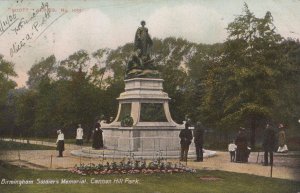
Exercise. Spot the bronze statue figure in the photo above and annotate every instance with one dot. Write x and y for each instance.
(141, 64)
(143, 41)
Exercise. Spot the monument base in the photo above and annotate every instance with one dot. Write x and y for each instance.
(141, 139)
(153, 128)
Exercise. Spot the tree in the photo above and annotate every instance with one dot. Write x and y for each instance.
(175, 85)
(6, 73)
(75, 65)
(25, 104)
(44, 70)
(247, 84)
(97, 71)
(288, 107)
(6, 84)
(203, 68)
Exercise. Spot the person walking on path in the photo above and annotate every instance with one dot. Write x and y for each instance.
(268, 144)
(60, 142)
(186, 137)
(232, 149)
(79, 135)
(199, 140)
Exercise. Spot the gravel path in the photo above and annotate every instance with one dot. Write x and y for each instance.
(286, 166)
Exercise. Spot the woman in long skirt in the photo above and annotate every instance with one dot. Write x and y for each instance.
(97, 137)
(60, 143)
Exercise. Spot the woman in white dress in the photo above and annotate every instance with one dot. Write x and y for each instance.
(282, 140)
(79, 135)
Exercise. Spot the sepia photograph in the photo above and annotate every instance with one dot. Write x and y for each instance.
(140, 96)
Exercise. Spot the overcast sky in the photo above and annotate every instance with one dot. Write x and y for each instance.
(109, 24)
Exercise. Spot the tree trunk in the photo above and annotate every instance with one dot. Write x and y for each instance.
(253, 132)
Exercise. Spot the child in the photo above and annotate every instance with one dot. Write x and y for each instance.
(231, 148)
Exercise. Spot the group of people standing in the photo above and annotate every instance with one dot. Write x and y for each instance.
(96, 144)
(269, 143)
(239, 150)
(186, 136)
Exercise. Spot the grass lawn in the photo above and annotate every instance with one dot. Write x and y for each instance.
(11, 145)
(163, 183)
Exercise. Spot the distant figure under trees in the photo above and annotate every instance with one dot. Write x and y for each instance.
(242, 146)
(79, 135)
(282, 147)
(268, 144)
(186, 137)
(97, 137)
(60, 142)
(199, 140)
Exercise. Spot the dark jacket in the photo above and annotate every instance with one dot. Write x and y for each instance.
(198, 135)
(269, 139)
(186, 137)
(97, 138)
(241, 141)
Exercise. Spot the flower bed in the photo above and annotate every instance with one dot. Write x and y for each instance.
(131, 167)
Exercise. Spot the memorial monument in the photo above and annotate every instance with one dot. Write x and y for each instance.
(143, 124)
(143, 121)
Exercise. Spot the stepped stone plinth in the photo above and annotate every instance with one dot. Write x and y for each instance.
(153, 128)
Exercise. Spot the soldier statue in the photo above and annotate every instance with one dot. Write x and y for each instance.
(140, 64)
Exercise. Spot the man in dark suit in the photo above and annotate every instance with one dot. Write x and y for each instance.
(198, 140)
(268, 144)
(186, 137)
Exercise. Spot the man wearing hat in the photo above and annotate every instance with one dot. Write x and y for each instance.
(60, 143)
(186, 137)
(268, 144)
(198, 140)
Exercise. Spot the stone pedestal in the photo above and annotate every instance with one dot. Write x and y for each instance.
(153, 128)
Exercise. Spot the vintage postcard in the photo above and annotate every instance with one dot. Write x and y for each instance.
(150, 96)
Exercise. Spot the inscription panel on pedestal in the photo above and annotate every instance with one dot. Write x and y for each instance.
(152, 112)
